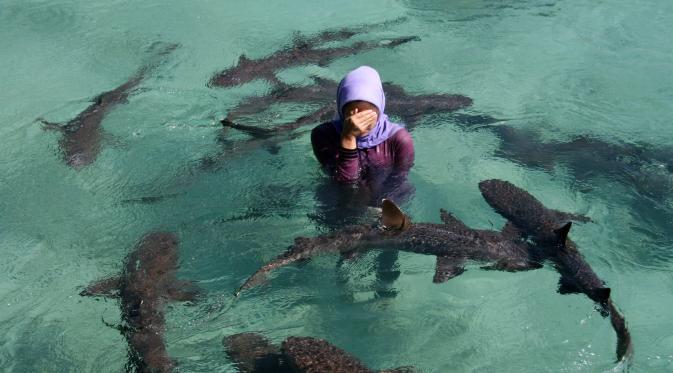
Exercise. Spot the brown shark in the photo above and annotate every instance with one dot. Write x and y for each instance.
(409, 107)
(453, 243)
(253, 353)
(247, 70)
(147, 282)
(82, 137)
(548, 229)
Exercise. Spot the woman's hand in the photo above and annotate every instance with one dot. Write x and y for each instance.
(359, 123)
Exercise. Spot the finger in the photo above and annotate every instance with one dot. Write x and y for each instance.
(364, 114)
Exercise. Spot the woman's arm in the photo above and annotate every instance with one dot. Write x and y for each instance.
(340, 163)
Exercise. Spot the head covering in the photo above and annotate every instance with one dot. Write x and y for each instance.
(364, 84)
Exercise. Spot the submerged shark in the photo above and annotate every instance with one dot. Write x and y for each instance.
(147, 282)
(247, 70)
(253, 353)
(83, 136)
(548, 229)
(453, 243)
(409, 107)
(398, 102)
(649, 169)
(533, 235)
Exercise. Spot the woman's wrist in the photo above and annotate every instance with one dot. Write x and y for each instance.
(348, 142)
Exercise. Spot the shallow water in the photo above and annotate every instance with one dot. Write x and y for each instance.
(560, 69)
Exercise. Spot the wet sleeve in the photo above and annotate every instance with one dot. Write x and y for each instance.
(397, 186)
(341, 164)
(403, 150)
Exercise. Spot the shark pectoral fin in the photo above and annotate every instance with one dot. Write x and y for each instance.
(447, 268)
(565, 286)
(107, 287)
(392, 217)
(183, 291)
(511, 232)
(512, 265)
(51, 126)
(448, 219)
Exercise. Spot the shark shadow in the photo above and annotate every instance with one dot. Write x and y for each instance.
(147, 282)
(253, 353)
(548, 229)
(82, 137)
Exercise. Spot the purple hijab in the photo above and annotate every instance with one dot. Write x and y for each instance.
(364, 84)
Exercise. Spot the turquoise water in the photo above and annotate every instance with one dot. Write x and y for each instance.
(560, 69)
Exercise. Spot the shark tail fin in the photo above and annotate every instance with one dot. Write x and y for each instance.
(107, 287)
(392, 217)
(51, 126)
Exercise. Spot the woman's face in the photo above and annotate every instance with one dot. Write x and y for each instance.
(349, 108)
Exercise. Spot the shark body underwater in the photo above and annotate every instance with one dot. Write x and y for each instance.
(533, 235)
(252, 353)
(299, 53)
(82, 137)
(146, 283)
(409, 107)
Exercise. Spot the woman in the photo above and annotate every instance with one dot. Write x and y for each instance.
(363, 147)
(362, 143)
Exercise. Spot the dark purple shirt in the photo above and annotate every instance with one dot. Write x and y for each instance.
(395, 155)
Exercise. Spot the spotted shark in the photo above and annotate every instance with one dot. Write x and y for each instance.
(82, 137)
(253, 353)
(452, 242)
(548, 229)
(247, 70)
(147, 282)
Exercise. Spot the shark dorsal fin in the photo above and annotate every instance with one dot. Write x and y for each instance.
(393, 217)
(562, 232)
(243, 59)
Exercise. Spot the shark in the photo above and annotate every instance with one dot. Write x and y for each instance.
(247, 70)
(549, 229)
(646, 167)
(146, 283)
(452, 242)
(253, 353)
(532, 236)
(82, 137)
(409, 107)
